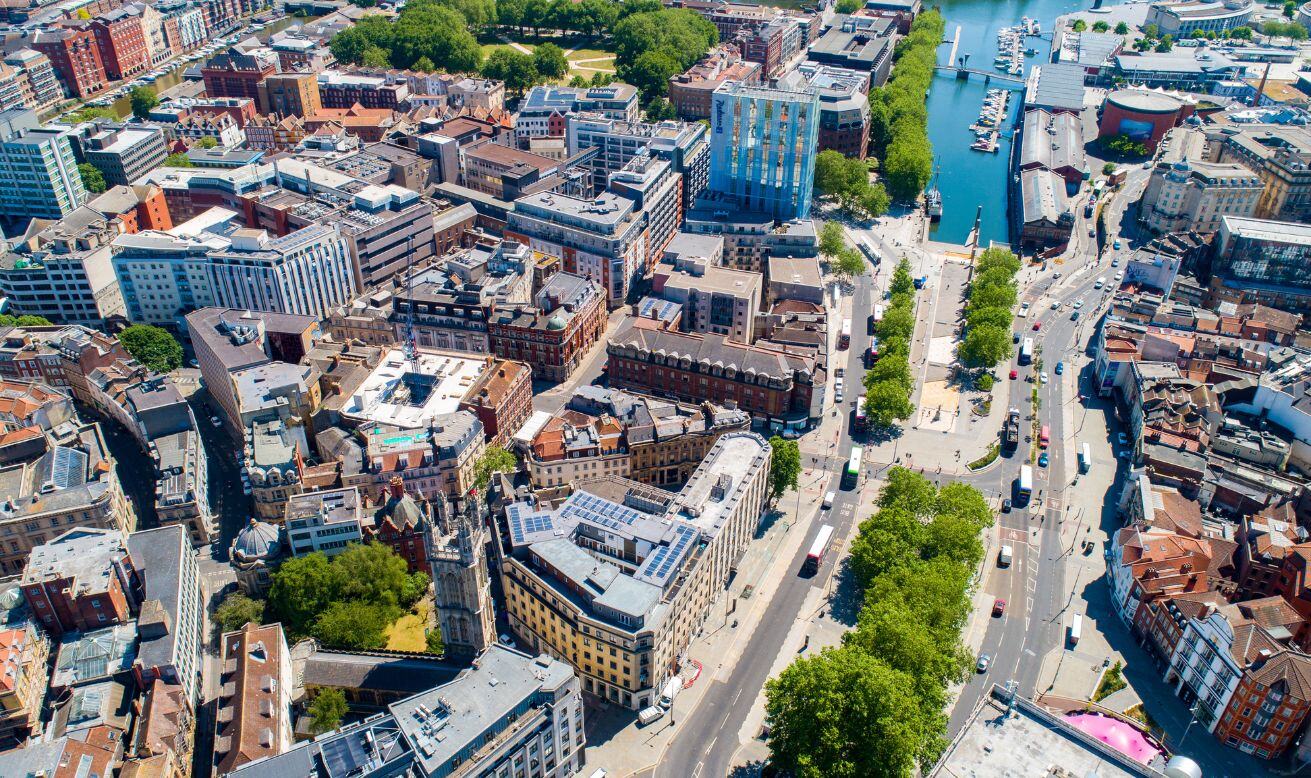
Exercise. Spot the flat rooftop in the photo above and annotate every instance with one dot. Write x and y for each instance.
(411, 396)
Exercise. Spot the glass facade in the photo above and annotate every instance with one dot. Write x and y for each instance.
(762, 147)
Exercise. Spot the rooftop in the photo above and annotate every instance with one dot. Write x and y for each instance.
(412, 395)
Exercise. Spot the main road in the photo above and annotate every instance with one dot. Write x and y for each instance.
(707, 740)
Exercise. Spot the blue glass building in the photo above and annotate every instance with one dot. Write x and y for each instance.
(762, 147)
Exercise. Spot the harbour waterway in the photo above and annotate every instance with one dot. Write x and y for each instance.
(968, 178)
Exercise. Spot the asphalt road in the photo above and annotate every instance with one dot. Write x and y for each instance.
(706, 742)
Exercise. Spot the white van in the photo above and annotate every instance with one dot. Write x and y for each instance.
(672, 687)
(1076, 628)
(1099, 283)
(648, 715)
(829, 497)
(1004, 556)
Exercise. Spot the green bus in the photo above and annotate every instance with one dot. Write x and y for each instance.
(852, 474)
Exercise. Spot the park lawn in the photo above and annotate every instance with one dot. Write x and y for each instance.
(488, 48)
(408, 632)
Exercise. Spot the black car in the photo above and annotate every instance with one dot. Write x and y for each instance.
(1006, 505)
(871, 324)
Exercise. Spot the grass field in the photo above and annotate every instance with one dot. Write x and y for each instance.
(582, 62)
(407, 632)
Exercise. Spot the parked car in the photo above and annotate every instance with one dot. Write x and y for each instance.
(1056, 305)
(1078, 304)
(1074, 316)
(1115, 262)
(998, 607)
(1116, 244)
(1015, 337)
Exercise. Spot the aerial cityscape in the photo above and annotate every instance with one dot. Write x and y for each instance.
(655, 389)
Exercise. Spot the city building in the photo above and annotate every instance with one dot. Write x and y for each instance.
(1142, 115)
(762, 148)
(1281, 156)
(794, 279)
(782, 386)
(73, 53)
(182, 484)
(325, 521)
(1054, 141)
(36, 79)
(38, 170)
(504, 172)
(1192, 69)
(290, 94)
(456, 727)
(254, 704)
(123, 153)
(843, 107)
(122, 42)
(751, 239)
(440, 458)
(858, 43)
(164, 741)
(715, 299)
(1046, 217)
(554, 333)
(254, 551)
(690, 92)
(1265, 261)
(1181, 18)
(234, 73)
(611, 432)
(657, 192)
(95, 750)
(1194, 196)
(619, 576)
(306, 273)
(619, 142)
(171, 625)
(502, 399)
(542, 110)
(603, 239)
(82, 579)
(338, 89)
(63, 271)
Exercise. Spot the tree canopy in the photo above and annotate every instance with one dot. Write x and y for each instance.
(154, 347)
(651, 46)
(345, 601)
(518, 71)
(898, 112)
(143, 100)
(92, 179)
(236, 611)
(846, 179)
(875, 705)
(550, 61)
(494, 460)
(179, 159)
(993, 293)
(888, 384)
(327, 710)
(433, 30)
(784, 466)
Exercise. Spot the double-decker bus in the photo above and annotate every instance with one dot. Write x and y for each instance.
(860, 420)
(1026, 351)
(1024, 485)
(852, 474)
(815, 556)
(844, 338)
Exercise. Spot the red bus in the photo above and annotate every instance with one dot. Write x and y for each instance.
(815, 556)
(1045, 437)
(844, 337)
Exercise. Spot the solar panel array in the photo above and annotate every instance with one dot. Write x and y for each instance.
(524, 521)
(598, 511)
(666, 559)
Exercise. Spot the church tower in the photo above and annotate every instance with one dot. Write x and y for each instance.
(457, 560)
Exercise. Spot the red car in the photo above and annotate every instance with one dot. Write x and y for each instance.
(1014, 374)
(999, 607)
(1037, 325)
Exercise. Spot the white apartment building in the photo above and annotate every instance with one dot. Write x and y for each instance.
(1196, 195)
(324, 521)
(165, 275)
(307, 272)
(1203, 669)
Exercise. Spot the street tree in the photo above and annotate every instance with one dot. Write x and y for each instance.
(848, 264)
(985, 346)
(327, 710)
(784, 466)
(1122, 28)
(843, 714)
(494, 459)
(550, 61)
(832, 239)
(901, 282)
(518, 71)
(1079, 25)
(354, 625)
(143, 100)
(1100, 26)
(886, 403)
(154, 347)
(998, 257)
(236, 611)
(886, 539)
(909, 491)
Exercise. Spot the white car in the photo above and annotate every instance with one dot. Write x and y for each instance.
(1119, 276)
(1056, 305)
(1078, 304)
(1043, 376)
(1024, 311)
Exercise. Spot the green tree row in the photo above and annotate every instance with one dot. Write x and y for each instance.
(875, 705)
(653, 46)
(845, 262)
(899, 116)
(888, 383)
(989, 309)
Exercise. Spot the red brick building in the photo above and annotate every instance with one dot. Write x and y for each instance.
(82, 580)
(122, 43)
(401, 524)
(76, 59)
(234, 74)
(502, 399)
(555, 334)
(137, 208)
(1267, 710)
(780, 384)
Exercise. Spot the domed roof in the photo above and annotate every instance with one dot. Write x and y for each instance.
(257, 540)
(556, 322)
(11, 598)
(403, 511)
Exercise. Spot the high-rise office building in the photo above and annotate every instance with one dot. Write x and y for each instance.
(762, 147)
(38, 171)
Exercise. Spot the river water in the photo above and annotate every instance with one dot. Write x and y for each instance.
(123, 106)
(967, 178)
